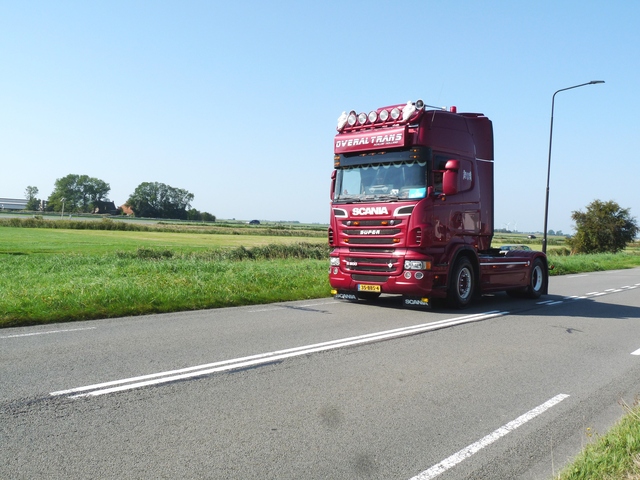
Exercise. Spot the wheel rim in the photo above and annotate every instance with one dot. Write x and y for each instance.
(536, 278)
(464, 284)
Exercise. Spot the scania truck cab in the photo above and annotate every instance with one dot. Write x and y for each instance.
(412, 210)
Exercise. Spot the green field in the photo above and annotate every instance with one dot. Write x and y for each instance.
(16, 241)
(55, 275)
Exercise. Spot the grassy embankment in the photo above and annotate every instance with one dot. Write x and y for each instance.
(613, 456)
(72, 271)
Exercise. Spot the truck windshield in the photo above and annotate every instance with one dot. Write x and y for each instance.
(405, 180)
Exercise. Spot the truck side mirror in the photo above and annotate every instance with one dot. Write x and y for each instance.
(333, 184)
(450, 177)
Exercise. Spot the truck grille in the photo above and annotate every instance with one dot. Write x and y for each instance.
(371, 250)
(369, 278)
(370, 223)
(371, 241)
(386, 231)
(371, 232)
(371, 264)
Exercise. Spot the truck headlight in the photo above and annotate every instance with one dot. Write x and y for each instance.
(335, 261)
(416, 265)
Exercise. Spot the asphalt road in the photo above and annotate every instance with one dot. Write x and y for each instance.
(507, 389)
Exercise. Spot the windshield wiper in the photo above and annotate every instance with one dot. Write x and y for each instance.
(383, 197)
(348, 199)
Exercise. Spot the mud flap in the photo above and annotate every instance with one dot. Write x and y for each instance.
(415, 302)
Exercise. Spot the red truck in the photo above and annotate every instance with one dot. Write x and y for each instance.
(412, 210)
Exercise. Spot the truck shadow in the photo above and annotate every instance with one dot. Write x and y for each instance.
(602, 307)
(545, 306)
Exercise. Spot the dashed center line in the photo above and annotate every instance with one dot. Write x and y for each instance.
(588, 295)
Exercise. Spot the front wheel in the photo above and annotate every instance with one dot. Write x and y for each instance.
(461, 284)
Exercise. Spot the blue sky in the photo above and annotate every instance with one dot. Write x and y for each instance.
(237, 102)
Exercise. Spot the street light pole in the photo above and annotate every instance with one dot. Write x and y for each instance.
(546, 204)
(63, 199)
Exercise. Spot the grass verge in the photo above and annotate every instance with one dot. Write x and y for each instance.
(565, 265)
(614, 456)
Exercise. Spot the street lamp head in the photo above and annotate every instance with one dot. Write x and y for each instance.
(593, 82)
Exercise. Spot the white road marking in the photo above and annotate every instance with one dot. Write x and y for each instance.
(637, 352)
(48, 332)
(586, 295)
(465, 453)
(254, 360)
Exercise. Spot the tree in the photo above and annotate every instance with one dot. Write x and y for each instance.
(30, 194)
(157, 200)
(197, 215)
(604, 227)
(78, 192)
(208, 217)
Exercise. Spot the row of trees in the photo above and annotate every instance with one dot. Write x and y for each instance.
(84, 194)
(604, 227)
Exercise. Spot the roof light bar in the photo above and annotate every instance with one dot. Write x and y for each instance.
(396, 114)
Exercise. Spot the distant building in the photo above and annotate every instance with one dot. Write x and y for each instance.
(13, 203)
(104, 207)
(126, 210)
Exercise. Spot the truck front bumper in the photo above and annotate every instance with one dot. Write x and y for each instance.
(416, 284)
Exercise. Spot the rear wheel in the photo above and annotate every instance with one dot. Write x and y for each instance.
(461, 284)
(537, 279)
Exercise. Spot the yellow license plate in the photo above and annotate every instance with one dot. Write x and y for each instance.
(368, 288)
